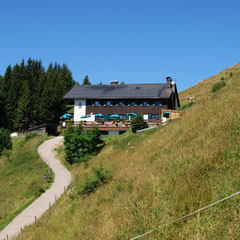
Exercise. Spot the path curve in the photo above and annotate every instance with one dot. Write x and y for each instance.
(41, 205)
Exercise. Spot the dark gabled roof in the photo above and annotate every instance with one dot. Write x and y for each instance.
(125, 91)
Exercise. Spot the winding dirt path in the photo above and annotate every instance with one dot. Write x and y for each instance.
(61, 181)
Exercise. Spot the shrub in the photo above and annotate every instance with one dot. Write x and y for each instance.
(95, 143)
(91, 183)
(138, 123)
(188, 105)
(218, 86)
(79, 146)
(29, 137)
(102, 174)
(5, 140)
(36, 188)
(88, 185)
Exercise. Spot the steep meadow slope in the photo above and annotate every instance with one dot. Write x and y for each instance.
(160, 175)
(204, 87)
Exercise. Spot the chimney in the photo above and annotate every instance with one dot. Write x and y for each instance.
(168, 82)
(114, 82)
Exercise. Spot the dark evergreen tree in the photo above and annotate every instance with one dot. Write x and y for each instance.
(5, 140)
(23, 117)
(40, 79)
(2, 104)
(138, 123)
(58, 82)
(29, 95)
(5, 92)
(86, 81)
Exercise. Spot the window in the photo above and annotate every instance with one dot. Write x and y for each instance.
(121, 103)
(145, 103)
(155, 116)
(97, 103)
(109, 103)
(133, 103)
(158, 103)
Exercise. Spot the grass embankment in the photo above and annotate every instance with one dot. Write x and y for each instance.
(21, 181)
(203, 89)
(158, 176)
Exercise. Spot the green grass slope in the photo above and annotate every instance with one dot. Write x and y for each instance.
(158, 176)
(21, 178)
(204, 88)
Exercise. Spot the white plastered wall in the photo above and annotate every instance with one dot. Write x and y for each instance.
(145, 116)
(79, 109)
(91, 118)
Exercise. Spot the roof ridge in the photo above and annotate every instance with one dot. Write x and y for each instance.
(131, 84)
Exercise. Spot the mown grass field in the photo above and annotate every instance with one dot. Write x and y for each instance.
(21, 178)
(160, 175)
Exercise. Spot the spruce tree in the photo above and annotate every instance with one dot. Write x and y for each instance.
(2, 104)
(4, 90)
(31, 95)
(86, 81)
(7, 91)
(17, 78)
(23, 118)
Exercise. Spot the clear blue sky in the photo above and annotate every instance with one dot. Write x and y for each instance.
(134, 41)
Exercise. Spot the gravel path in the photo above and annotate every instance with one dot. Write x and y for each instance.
(41, 205)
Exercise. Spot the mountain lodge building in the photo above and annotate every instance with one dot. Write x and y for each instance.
(102, 102)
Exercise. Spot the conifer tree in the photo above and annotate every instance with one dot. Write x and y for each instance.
(5, 94)
(2, 104)
(86, 81)
(31, 95)
(17, 77)
(23, 119)
(4, 88)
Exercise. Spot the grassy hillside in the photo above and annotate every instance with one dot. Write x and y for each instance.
(21, 180)
(203, 88)
(158, 176)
